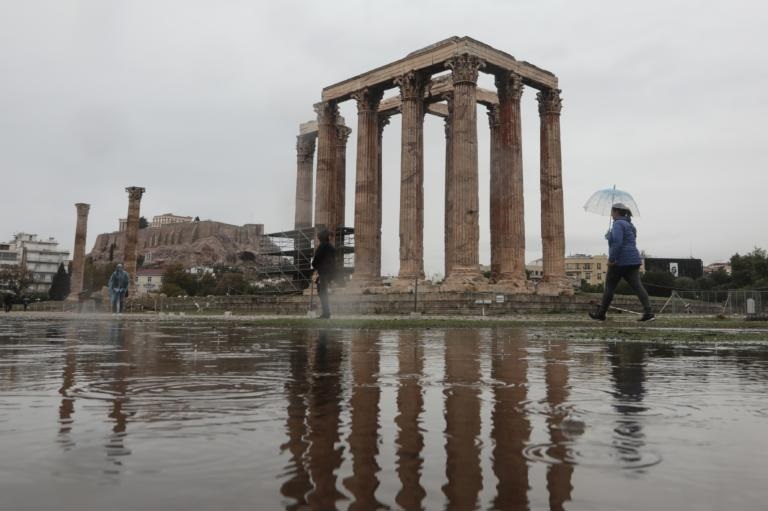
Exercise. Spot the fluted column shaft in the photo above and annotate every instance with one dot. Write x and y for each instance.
(465, 236)
(132, 229)
(383, 121)
(552, 216)
(495, 195)
(339, 206)
(448, 230)
(325, 180)
(507, 203)
(412, 176)
(305, 153)
(367, 183)
(78, 256)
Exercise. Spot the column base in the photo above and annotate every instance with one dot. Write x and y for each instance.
(514, 286)
(359, 284)
(555, 286)
(464, 279)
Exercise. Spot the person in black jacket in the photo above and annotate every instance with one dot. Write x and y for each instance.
(324, 263)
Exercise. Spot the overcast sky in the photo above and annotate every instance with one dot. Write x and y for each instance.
(200, 101)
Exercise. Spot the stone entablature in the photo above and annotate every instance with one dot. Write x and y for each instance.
(168, 219)
(453, 97)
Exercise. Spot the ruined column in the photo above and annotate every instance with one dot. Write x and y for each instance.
(412, 176)
(78, 256)
(383, 123)
(465, 235)
(367, 183)
(132, 230)
(494, 123)
(507, 204)
(305, 152)
(554, 281)
(448, 187)
(325, 184)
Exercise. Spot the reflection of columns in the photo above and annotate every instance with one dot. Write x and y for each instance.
(305, 152)
(324, 404)
(412, 176)
(556, 376)
(339, 203)
(67, 406)
(410, 406)
(507, 207)
(325, 184)
(462, 419)
(299, 483)
(367, 204)
(78, 256)
(132, 230)
(465, 235)
(364, 422)
(383, 122)
(448, 230)
(554, 280)
(511, 429)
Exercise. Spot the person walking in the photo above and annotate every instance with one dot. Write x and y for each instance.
(7, 302)
(118, 289)
(623, 263)
(324, 263)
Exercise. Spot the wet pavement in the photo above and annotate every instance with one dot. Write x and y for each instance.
(219, 415)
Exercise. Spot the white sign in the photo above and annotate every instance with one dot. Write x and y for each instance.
(673, 269)
(499, 298)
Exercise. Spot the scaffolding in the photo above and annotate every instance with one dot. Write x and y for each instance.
(287, 258)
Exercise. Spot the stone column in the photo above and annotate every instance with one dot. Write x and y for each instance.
(412, 177)
(465, 235)
(367, 183)
(448, 229)
(507, 203)
(338, 218)
(494, 123)
(325, 184)
(305, 152)
(554, 281)
(339, 206)
(132, 230)
(78, 256)
(383, 123)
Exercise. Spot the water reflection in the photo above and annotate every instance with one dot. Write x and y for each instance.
(462, 419)
(330, 419)
(410, 406)
(511, 429)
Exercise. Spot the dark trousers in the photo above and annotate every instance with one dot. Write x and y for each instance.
(323, 282)
(632, 275)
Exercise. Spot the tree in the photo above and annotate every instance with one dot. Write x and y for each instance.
(60, 285)
(747, 270)
(176, 281)
(143, 224)
(15, 278)
(232, 284)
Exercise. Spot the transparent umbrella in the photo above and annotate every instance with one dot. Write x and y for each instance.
(602, 201)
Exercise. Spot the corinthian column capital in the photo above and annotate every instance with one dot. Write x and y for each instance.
(509, 86)
(135, 192)
(342, 135)
(327, 112)
(465, 68)
(305, 147)
(550, 101)
(82, 209)
(367, 99)
(411, 85)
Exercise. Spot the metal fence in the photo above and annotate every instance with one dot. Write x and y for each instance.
(743, 302)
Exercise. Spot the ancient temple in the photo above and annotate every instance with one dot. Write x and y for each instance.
(453, 97)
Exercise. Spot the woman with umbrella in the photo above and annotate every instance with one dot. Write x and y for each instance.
(623, 262)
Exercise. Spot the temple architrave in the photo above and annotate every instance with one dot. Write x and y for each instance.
(454, 98)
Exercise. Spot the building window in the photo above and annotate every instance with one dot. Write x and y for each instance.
(589, 276)
(149, 279)
(599, 266)
(599, 276)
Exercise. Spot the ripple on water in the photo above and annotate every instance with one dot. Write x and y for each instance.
(594, 455)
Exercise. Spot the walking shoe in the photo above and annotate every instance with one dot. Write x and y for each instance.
(648, 316)
(597, 316)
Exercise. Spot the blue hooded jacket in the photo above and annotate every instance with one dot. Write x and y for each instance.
(622, 249)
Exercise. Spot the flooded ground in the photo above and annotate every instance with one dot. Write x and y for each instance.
(217, 415)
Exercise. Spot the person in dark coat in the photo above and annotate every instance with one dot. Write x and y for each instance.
(623, 263)
(7, 302)
(118, 289)
(324, 263)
